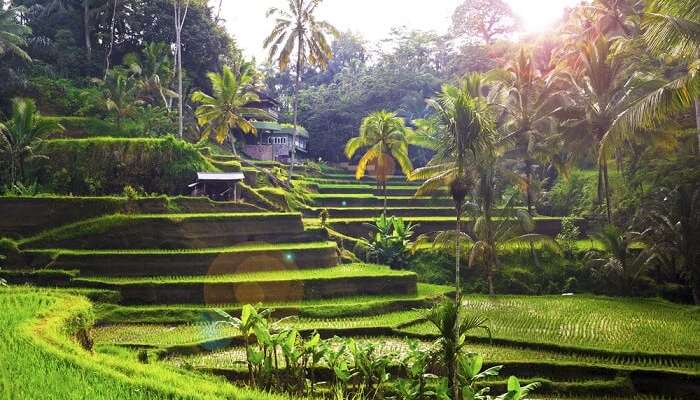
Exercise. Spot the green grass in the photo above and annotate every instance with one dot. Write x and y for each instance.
(338, 272)
(176, 335)
(103, 224)
(40, 360)
(587, 322)
(248, 247)
(331, 308)
(229, 358)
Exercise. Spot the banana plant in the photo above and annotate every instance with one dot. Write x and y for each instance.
(371, 368)
(517, 392)
(469, 372)
(250, 318)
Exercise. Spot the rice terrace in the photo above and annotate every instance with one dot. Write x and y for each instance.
(350, 200)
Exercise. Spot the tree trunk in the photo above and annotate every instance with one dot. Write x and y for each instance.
(528, 183)
(233, 145)
(111, 39)
(489, 278)
(13, 170)
(179, 23)
(297, 81)
(86, 27)
(458, 253)
(606, 189)
(458, 296)
(696, 293)
(697, 120)
(218, 12)
(384, 191)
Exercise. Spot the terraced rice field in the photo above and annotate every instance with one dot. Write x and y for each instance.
(39, 360)
(341, 271)
(230, 358)
(170, 335)
(632, 325)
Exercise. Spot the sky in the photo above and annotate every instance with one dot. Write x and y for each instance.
(373, 19)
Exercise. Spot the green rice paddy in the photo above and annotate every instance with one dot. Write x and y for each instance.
(587, 322)
(341, 271)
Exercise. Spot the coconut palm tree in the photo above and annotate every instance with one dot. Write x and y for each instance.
(384, 134)
(20, 136)
(298, 31)
(490, 237)
(224, 109)
(465, 135)
(120, 90)
(155, 69)
(600, 91)
(529, 101)
(670, 28)
(12, 32)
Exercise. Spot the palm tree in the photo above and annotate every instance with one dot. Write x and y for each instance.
(21, 135)
(384, 134)
(156, 72)
(671, 27)
(120, 91)
(297, 30)
(616, 263)
(12, 33)
(601, 92)
(529, 102)
(465, 135)
(453, 327)
(224, 109)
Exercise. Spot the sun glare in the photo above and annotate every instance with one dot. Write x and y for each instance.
(539, 15)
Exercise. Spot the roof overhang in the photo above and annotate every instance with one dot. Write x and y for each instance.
(220, 176)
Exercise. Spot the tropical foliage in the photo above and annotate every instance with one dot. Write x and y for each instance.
(21, 135)
(297, 30)
(385, 136)
(224, 110)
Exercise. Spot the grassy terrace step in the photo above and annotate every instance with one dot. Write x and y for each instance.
(270, 286)
(370, 200)
(197, 262)
(357, 227)
(350, 180)
(29, 216)
(523, 362)
(40, 358)
(173, 231)
(342, 307)
(625, 325)
(392, 190)
(195, 334)
(344, 213)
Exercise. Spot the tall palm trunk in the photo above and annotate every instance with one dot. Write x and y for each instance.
(86, 28)
(111, 39)
(297, 82)
(606, 189)
(179, 23)
(384, 192)
(458, 253)
(697, 120)
(458, 297)
(528, 184)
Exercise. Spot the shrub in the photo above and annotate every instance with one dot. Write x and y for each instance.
(390, 242)
(573, 196)
(64, 97)
(101, 166)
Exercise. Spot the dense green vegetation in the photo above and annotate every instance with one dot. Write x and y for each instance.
(448, 211)
(41, 325)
